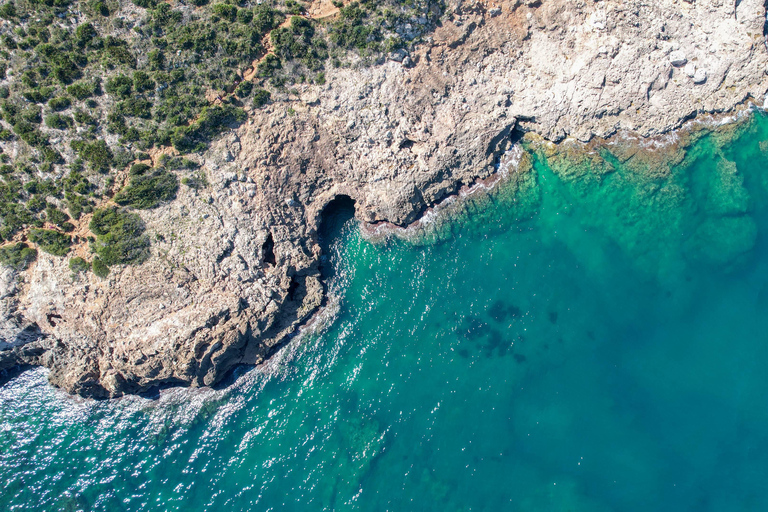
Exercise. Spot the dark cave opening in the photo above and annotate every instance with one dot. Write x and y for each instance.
(268, 250)
(333, 218)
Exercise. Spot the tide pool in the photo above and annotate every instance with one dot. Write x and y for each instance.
(590, 336)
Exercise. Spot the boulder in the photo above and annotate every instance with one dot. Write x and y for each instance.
(677, 58)
(700, 76)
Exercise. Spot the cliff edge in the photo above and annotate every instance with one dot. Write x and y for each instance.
(234, 264)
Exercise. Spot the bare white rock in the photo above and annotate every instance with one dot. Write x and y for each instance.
(677, 58)
(700, 76)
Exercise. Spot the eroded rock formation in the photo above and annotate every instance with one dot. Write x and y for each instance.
(234, 266)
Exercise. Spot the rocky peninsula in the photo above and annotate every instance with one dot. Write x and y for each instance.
(233, 267)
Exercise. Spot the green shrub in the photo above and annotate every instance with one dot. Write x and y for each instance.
(58, 121)
(58, 217)
(59, 103)
(260, 97)
(84, 118)
(244, 16)
(8, 11)
(156, 60)
(82, 90)
(84, 34)
(118, 51)
(268, 66)
(119, 86)
(96, 153)
(148, 190)
(228, 12)
(78, 264)
(120, 237)
(66, 71)
(51, 241)
(32, 114)
(177, 163)
(14, 216)
(244, 89)
(100, 7)
(139, 169)
(294, 7)
(18, 255)
(265, 18)
(212, 121)
(29, 135)
(142, 82)
(37, 203)
(77, 205)
(99, 268)
(135, 107)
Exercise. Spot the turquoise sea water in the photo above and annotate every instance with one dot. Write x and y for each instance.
(591, 337)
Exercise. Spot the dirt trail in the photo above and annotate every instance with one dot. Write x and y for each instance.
(322, 9)
(317, 10)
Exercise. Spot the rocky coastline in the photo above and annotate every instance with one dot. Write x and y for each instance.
(234, 267)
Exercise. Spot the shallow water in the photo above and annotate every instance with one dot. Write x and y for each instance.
(589, 338)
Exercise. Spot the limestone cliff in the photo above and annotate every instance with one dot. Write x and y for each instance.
(234, 265)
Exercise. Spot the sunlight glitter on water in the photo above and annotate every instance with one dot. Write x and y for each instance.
(590, 336)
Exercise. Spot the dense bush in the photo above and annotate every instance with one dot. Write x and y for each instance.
(18, 255)
(77, 205)
(82, 90)
(59, 218)
(78, 264)
(58, 121)
(100, 268)
(96, 153)
(260, 97)
(120, 237)
(139, 169)
(228, 12)
(120, 86)
(147, 190)
(244, 89)
(212, 121)
(142, 82)
(51, 241)
(60, 103)
(135, 107)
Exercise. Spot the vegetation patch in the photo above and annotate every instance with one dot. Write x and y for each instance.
(78, 264)
(88, 86)
(148, 188)
(99, 268)
(120, 237)
(17, 256)
(51, 241)
(212, 121)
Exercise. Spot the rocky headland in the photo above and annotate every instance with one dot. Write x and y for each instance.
(234, 265)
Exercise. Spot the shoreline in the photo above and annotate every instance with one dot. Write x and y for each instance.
(517, 155)
(234, 265)
(514, 161)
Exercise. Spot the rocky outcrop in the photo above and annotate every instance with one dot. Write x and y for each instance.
(234, 265)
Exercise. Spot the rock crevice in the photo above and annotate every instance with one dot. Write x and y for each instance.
(236, 266)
